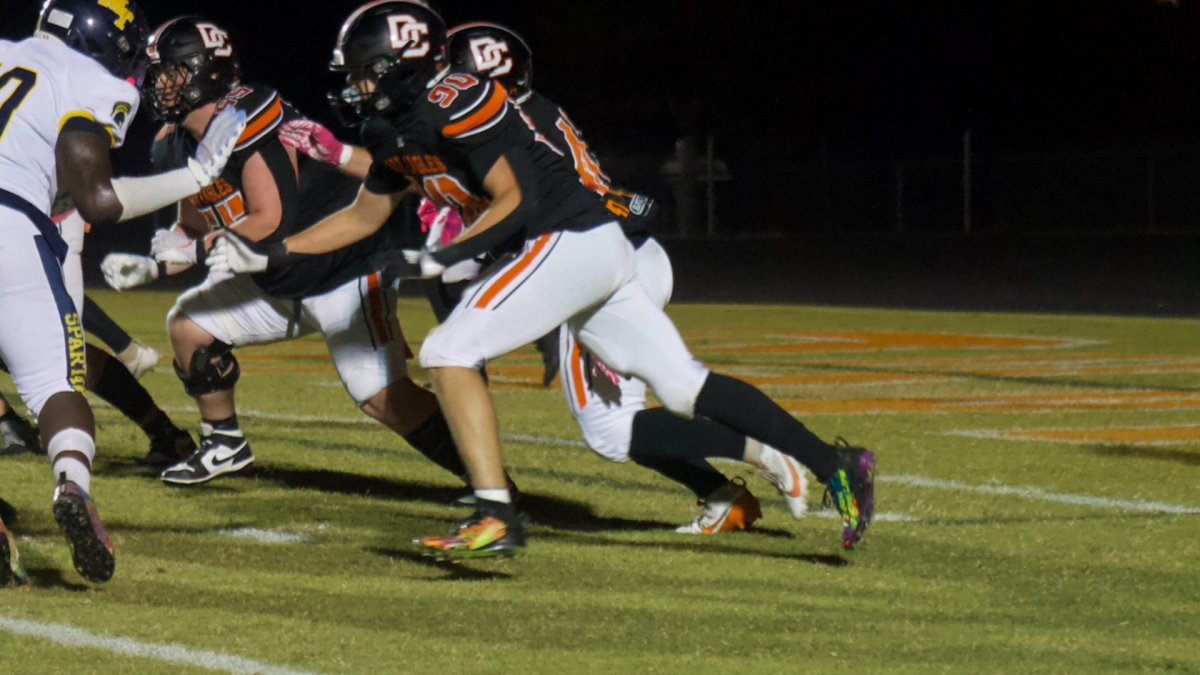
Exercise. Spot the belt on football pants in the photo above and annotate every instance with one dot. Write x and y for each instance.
(40, 220)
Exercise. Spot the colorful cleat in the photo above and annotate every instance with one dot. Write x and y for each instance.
(852, 491)
(788, 477)
(729, 508)
(480, 537)
(91, 550)
(11, 572)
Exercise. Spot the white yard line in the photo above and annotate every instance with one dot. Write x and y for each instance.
(75, 637)
(1037, 494)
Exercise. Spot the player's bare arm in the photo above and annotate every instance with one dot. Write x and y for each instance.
(354, 223)
(264, 207)
(85, 173)
(505, 191)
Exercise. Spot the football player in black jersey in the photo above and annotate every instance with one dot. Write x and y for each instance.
(563, 259)
(609, 408)
(266, 193)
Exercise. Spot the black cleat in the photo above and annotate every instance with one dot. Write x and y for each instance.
(170, 449)
(77, 517)
(493, 531)
(220, 452)
(11, 572)
(18, 435)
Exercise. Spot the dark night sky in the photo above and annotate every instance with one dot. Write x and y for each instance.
(898, 78)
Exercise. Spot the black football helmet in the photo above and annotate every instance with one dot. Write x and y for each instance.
(399, 46)
(491, 50)
(192, 63)
(113, 33)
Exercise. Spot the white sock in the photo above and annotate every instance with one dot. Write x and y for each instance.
(72, 440)
(501, 496)
(77, 472)
(753, 452)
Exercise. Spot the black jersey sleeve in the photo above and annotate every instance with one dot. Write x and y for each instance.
(483, 129)
(264, 113)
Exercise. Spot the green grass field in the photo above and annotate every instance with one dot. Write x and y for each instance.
(1038, 500)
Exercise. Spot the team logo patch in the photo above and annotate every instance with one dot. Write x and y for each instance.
(489, 54)
(214, 38)
(639, 204)
(121, 9)
(408, 34)
(120, 113)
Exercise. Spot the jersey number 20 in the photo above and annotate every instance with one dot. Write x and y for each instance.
(25, 79)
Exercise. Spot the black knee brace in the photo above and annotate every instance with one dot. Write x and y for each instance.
(214, 368)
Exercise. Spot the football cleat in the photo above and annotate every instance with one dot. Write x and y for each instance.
(11, 572)
(852, 491)
(481, 536)
(91, 549)
(788, 477)
(139, 359)
(220, 452)
(170, 449)
(18, 435)
(729, 508)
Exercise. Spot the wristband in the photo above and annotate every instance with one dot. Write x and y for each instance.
(277, 254)
(162, 270)
(347, 155)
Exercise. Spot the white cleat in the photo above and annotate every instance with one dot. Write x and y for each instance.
(788, 477)
(729, 508)
(139, 359)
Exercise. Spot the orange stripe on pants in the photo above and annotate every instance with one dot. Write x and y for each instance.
(577, 375)
(375, 298)
(513, 272)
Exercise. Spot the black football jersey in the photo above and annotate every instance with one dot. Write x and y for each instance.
(308, 192)
(453, 136)
(634, 211)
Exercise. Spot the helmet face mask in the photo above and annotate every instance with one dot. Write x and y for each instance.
(113, 36)
(192, 64)
(390, 52)
(493, 51)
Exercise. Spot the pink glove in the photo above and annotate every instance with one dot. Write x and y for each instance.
(429, 212)
(601, 369)
(315, 141)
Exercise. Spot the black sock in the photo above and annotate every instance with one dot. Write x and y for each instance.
(97, 323)
(679, 448)
(433, 439)
(117, 386)
(224, 426)
(743, 408)
(160, 426)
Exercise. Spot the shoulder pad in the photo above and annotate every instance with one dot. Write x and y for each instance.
(464, 105)
(264, 112)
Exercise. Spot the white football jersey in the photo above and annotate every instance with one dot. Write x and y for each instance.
(43, 85)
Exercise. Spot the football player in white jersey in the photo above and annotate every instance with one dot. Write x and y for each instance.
(67, 96)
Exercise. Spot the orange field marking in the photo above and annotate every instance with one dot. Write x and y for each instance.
(1169, 435)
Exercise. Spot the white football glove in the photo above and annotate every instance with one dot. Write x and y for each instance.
(126, 270)
(430, 268)
(217, 146)
(169, 246)
(232, 254)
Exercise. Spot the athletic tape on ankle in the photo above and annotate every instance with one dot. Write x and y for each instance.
(72, 439)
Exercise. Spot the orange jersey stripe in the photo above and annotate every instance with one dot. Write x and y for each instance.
(375, 296)
(263, 121)
(485, 114)
(577, 376)
(513, 272)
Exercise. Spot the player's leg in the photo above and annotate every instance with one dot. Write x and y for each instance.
(136, 357)
(635, 337)
(109, 379)
(11, 571)
(359, 324)
(513, 305)
(205, 324)
(42, 341)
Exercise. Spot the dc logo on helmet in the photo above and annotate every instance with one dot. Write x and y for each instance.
(489, 54)
(214, 38)
(405, 31)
